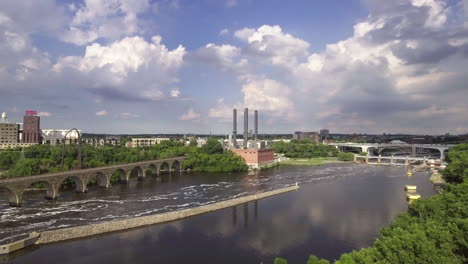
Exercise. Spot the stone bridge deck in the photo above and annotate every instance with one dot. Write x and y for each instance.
(15, 187)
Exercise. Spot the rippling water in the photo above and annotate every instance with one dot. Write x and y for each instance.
(341, 205)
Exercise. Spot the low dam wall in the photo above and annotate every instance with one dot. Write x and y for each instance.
(118, 225)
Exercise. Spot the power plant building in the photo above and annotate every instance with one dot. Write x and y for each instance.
(253, 152)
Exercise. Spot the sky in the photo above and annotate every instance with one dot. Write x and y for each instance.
(181, 66)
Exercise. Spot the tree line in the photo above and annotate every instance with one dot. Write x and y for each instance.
(433, 230)
(40, 159)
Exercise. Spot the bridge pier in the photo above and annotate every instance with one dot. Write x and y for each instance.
(392, 160)
(442, 154)
(367, 158)
(15, 196)
(407, 161)
(52, 190)
(103, 179)
(379, 159)
(81, 183)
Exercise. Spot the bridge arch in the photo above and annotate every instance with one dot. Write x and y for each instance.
(15, 198)
(51, 191)
(122, 175)
(138, 171)
(176, 165)
(152, 169)
(164, 167)
(102, 179)
(80, 183)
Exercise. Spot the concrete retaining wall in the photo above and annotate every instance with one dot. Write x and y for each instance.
(118, 225)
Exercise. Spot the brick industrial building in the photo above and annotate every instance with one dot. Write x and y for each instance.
(31, 127)
(256, 158)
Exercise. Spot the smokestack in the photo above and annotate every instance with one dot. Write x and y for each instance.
(246, 127)
(256, 124)
(234, 128)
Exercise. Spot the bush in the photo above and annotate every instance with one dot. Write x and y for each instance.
(345, 156)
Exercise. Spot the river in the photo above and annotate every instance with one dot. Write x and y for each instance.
(338, 208)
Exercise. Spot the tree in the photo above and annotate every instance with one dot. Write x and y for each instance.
(280, 261)
(457, 170)
(212, 146)
(314, 260)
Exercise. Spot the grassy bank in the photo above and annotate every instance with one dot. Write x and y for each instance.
(312, 161)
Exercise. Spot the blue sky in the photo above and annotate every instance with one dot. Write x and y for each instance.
(145, 66)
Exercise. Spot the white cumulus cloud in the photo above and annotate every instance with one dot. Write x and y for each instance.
(189, 115)
(101, 113)
(130, 68)
(110, 19)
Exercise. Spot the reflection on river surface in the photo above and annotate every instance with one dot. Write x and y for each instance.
(339, 207)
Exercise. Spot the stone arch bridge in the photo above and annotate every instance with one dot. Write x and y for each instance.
(52, 181)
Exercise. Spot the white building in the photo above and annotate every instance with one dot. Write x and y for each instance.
(56, 136)
(146, 142)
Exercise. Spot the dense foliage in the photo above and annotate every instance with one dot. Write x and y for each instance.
(457, 170)
(41, 159)
(304, 149)
(345, 156)
(433, 230)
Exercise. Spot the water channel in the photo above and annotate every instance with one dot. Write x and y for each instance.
(338, 208)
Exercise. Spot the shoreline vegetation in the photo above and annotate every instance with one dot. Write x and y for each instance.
(433, 230)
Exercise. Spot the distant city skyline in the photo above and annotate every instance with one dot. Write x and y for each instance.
(175, 66)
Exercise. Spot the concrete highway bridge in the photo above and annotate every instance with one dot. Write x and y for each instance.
(396, 160)
(52, 181)
(413, 149)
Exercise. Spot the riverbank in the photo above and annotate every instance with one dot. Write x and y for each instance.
(313, 161)
(119, 225)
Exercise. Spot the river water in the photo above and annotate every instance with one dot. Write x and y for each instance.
(338, 208)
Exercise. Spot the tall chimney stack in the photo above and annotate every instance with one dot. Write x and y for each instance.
(256, 124)
(234, 128)
(246, 127)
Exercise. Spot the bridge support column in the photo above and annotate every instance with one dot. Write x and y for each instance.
(413, 151)
(425, 160)
(52, 191)
(104, 180)
(82, 185)
(379, 159)
(367, 158)
(392, 160)
(407, 161)
(442, 154)
(354, 158)
(15, 197)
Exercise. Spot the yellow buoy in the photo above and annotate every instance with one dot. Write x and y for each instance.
(413, 196)
(410, 187)
(409, 173)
